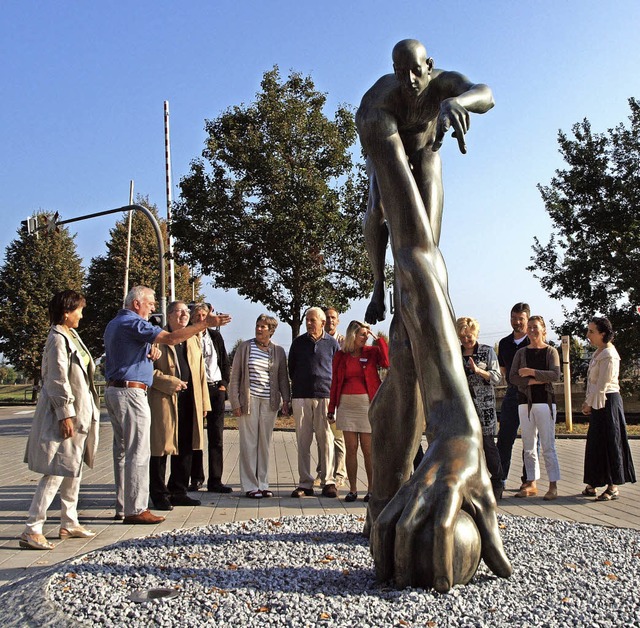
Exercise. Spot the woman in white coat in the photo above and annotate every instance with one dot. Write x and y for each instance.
(64, 433)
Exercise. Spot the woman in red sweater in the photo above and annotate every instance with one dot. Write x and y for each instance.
(354, 382)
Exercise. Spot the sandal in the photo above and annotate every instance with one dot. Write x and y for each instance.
(79, 532)
(35, 542)
(608, 495)
(267, 493)
(254, 494)
(589, 491)
(351, 496)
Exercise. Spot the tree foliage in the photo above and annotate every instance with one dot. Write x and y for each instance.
(105, 278)
(593, 253)
(276, 213)
(35, 268)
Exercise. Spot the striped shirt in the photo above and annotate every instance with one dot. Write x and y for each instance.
(259, 363)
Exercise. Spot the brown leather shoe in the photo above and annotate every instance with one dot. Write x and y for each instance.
(330, 490)
(528, 491)
(144, 518)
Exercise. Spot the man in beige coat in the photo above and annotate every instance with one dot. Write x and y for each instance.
(179, 400)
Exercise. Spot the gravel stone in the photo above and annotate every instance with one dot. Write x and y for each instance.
(317, 571)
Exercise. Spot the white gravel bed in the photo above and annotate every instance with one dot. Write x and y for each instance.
(317, 571)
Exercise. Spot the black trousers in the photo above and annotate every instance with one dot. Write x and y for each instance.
(181, 463)
(215, 432)
(157, 477)
(492, 456)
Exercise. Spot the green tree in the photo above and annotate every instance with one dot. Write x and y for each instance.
(35, 268)
(593, 253)
(105, 278)
(578, 352)
(277, 212)
(8, 375)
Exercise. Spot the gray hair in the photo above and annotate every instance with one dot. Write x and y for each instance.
(205, 307)
(318, 311)
(136, 294)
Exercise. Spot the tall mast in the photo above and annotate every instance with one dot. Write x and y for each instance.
(167, 156)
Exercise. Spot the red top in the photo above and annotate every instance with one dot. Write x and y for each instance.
(354, 376)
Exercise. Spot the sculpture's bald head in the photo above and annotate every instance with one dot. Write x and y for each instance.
(411, 66)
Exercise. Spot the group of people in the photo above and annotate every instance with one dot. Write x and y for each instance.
(161, 386)
(327, 383)
(530, 367)
(163, 383)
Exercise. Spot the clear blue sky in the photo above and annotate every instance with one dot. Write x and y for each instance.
(83, 85)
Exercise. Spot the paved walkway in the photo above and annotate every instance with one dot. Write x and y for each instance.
(17, 484)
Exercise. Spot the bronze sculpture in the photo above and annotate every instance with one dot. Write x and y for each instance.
(402, 121)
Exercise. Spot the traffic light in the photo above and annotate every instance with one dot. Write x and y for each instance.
(31, 225)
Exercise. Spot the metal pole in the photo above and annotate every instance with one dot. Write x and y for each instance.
(126, 264)
(156, 228)
(566, 372)
(167, 159)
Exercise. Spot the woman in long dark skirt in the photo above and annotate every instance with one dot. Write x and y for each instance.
(607, 460)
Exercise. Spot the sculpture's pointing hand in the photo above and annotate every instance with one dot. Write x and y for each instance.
(452, 114)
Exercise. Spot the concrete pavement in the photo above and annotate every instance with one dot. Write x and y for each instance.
(17, 485)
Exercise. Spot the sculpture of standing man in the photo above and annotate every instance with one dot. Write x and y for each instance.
(402, 121)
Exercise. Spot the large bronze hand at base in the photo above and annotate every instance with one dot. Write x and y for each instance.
(429, 529)
(440, 523)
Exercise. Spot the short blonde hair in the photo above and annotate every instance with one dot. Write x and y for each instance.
(350, 337)
(466, 322)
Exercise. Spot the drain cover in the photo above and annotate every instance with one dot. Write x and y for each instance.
(146, 595)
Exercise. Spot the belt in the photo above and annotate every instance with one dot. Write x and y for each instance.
(216, 384)
(121, 383)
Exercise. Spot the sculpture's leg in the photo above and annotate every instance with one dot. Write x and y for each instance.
(396, 423)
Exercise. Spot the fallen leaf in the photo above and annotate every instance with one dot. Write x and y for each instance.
(565, 600)
(345, 572)
(612, 576)
(501, 526)
(263, 609)
(324, 615)
(571, 566)
(232, 566)
(607, 563)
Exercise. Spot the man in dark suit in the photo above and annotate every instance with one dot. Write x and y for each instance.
(218, 370)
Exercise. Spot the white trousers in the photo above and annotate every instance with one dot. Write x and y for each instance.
(45, 492)
(256, 432)
(540, 423)
(311, 418)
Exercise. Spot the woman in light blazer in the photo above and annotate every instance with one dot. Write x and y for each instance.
(259, 384)
(64, 433)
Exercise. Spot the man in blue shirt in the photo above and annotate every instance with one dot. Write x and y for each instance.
(310, 368)
(129, 372)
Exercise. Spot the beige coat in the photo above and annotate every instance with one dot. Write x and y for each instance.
(163, 399)
(68, 391)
